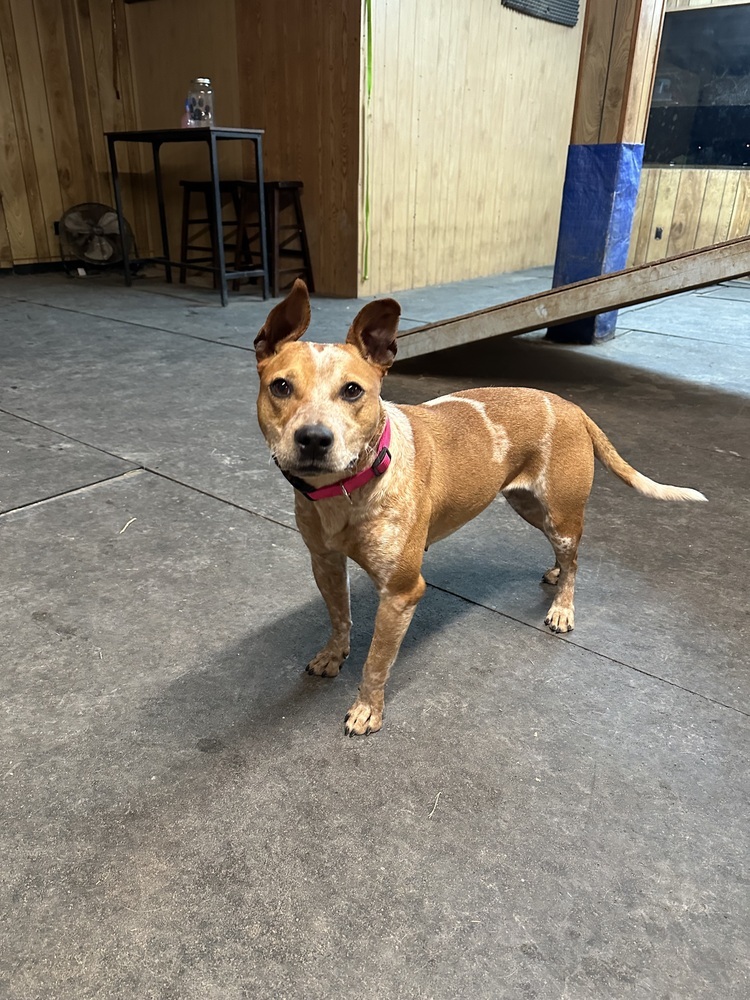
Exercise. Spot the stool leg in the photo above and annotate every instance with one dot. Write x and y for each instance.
(303, 240)
(184, 236)
(240, 240)
(273, 226)
(213, 229)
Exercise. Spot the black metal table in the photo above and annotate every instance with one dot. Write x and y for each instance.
(157, 138)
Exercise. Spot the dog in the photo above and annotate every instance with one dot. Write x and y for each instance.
(378, 483)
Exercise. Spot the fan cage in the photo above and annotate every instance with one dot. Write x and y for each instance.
(90, 237)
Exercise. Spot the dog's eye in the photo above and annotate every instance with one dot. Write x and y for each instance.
(352, 391)
(281, 388)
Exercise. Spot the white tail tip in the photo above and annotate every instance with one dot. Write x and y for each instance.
(660, 492)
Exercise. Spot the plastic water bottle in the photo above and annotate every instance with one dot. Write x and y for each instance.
(199, 106)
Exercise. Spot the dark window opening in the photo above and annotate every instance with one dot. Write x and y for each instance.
(700, 111)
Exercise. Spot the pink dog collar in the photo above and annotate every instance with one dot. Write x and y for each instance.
(346, 486)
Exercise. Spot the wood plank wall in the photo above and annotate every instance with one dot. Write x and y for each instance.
(201, 42)
(468, 137)
(56, 74)
(684, 208)
(302, 84)
(58, 94)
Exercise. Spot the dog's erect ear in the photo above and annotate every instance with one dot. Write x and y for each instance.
(374, 331)
(286, 322)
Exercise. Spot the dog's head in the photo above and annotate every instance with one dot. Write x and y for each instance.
(319, 404)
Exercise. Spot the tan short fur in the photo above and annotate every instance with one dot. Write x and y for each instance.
(451, 458)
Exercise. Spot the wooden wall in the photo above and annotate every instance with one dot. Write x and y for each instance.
(691, 207)
(58, 95)
(171, 43)
(293, 71)
(299, 71)
(468, 135)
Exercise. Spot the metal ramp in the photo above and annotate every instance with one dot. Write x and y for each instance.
(629, 287)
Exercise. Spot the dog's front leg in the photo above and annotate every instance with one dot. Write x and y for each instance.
(395, 612)
(332, 578)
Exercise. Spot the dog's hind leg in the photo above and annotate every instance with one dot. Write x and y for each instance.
(564, 536)
(332, 578)
(525, 503)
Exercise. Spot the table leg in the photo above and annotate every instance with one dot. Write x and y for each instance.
(216, 223)
(261, 211)
(118, 209)
(155, 147)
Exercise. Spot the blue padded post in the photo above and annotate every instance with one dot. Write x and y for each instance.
(599, 195)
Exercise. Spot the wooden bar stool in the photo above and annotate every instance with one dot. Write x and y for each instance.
(203, 253)
(289, 251)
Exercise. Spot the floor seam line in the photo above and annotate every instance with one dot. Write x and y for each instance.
(680, 336)
(141, 467)
(70, 437)
(593, 652)
(130, 322)
(72, 492)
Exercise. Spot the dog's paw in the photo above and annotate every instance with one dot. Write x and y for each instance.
(362, 719)
(551, 576)
(328, 661)
(560, 619)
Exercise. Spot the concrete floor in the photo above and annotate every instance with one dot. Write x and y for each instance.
(542, 816)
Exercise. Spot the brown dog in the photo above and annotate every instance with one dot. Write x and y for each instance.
(378, 483)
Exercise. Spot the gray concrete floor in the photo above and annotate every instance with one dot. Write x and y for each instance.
(543, 816)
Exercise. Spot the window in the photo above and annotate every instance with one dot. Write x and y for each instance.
(700, 111)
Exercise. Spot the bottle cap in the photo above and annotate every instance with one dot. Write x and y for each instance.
(203, 81)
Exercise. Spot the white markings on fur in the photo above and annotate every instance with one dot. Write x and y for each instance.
(497, 432)
(317, 408)
(661, 492)
(545, 444)
(563, 543)
(441, 399)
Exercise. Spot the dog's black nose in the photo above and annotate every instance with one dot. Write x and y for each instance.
(313, 438)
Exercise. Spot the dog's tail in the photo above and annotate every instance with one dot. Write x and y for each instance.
(607, 454)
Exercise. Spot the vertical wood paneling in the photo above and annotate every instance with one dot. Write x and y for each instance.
(40, 127)
(17, 107)
(58, 95)
(471, 123)
(75, 184)
(644, 209)
(726, 208)
(708, 214)
(303, 86)
(18, 222)
(6, 253)
(739, 224)
(694, 207)
(686, 216)
(661, 223)
(156, 86)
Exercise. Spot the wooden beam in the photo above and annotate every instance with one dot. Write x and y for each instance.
(629, 287)
(616, 73)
